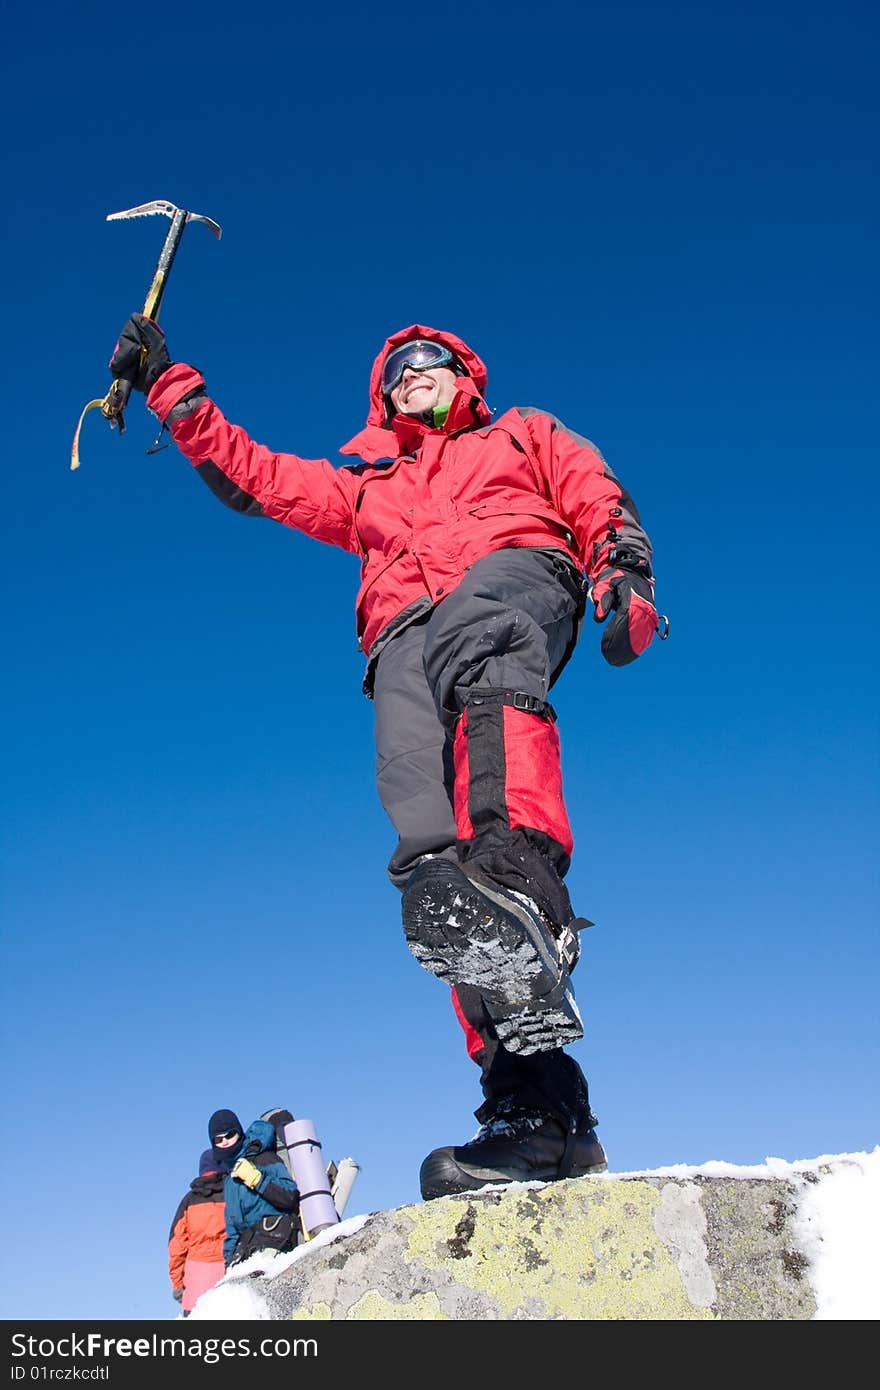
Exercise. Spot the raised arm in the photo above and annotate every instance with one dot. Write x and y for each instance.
(307, 494)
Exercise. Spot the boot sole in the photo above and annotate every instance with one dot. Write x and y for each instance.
(442, 1176)
(472, 936)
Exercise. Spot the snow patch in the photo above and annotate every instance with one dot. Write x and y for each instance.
(236, 1298)
(838, 1228)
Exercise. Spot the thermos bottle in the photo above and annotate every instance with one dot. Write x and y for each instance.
(343, 1182)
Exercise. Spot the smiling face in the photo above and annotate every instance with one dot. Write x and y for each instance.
(421, 390)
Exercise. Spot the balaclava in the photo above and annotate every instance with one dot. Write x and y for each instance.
(224, 1122)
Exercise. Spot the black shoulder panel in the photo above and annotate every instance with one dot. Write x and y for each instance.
(358, 469)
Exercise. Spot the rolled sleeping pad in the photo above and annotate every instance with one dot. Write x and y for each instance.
(316, 1206)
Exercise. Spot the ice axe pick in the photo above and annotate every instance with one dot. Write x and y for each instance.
(114, 403)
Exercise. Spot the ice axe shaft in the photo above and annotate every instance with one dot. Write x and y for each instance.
(114, 403)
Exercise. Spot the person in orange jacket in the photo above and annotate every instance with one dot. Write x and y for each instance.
(195, 1245)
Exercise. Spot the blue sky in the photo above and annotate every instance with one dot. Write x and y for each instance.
(658, 223)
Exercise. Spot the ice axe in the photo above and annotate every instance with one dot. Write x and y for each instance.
(114, 403)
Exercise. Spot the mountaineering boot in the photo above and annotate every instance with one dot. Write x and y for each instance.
(496, 940)
(515, 1145)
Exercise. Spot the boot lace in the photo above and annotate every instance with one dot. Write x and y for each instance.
(509, 1122)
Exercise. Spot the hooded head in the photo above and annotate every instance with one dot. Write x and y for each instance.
(224, 1122)
(385, 430)
(260, 1137)
(207, 1163)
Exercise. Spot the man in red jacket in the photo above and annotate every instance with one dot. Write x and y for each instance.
(480, 540)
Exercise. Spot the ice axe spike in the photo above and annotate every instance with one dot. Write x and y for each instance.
(114, 403)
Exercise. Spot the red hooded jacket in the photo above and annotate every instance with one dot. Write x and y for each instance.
(195, 1244)
(427, 502)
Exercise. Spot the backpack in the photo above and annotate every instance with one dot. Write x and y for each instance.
(278, 1118)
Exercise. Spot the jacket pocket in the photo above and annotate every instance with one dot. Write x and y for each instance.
(526, 507)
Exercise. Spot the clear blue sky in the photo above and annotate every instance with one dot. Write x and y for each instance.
(658, 223)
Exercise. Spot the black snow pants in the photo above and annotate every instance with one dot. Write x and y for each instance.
(468, 767)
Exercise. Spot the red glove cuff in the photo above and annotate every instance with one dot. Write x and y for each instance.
(171, 387)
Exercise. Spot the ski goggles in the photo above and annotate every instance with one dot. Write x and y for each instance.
(421, 355)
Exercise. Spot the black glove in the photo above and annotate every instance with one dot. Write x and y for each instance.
(630, 593)
(140, 356)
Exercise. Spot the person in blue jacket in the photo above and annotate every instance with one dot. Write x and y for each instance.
(262, 1199)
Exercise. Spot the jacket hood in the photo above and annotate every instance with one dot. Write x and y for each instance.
(383, 439)
(208, 1185)
(223, 1122)
(260, 1132)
